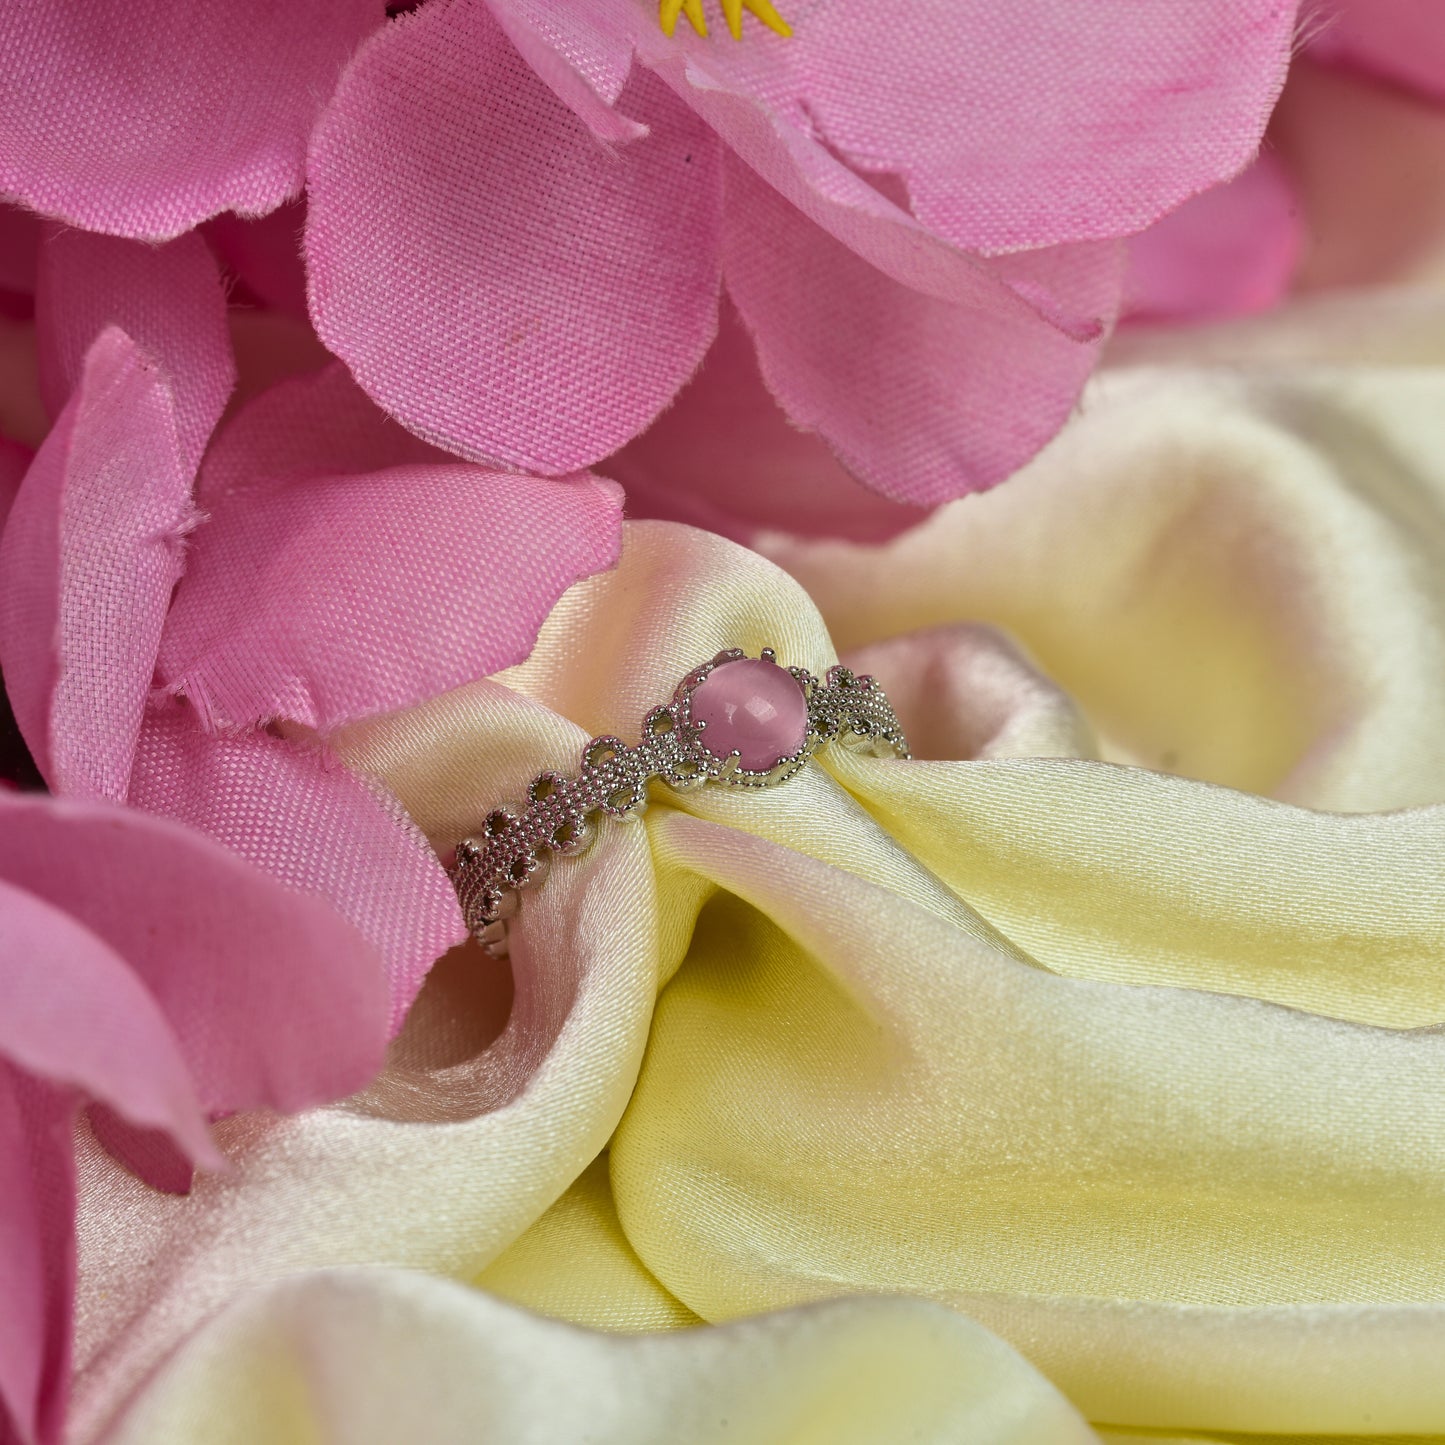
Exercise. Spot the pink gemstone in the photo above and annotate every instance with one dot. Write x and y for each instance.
(753, 708)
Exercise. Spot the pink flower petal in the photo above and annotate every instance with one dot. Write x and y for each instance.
(900, 411)
(1073, 288)
(584, 55)
(265, 253)
(596, 40)
(922, 397)
(1399, 40)
(873, 224)
(141, 119)
(102, 514)
(315, 826)
(37, 1257)
(147, 1153)
(307, 426)
(1228, 252)
(1020, 126)
(167, 299)
(276, 1001)
(76, 1014)
(497, 279)
(725, 457)
(325, 598)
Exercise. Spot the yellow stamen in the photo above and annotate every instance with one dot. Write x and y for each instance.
(733, 10)
(669, 10)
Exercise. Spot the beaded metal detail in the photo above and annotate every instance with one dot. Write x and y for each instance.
(705, 734)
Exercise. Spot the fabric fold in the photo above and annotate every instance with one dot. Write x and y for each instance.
(845, 1093)
(497, 1121)
(851, 1372)
(1232, 567)
(995, 1030)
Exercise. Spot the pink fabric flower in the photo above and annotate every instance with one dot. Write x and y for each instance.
(146, 969)
(521, 214)
(173, 602)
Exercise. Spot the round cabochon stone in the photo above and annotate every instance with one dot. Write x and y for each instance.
(754, 708)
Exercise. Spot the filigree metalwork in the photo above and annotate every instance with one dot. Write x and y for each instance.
(513, 849)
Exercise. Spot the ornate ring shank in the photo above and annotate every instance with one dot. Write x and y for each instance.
(680, 747)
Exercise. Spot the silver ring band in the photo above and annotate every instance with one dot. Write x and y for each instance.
(734, 719)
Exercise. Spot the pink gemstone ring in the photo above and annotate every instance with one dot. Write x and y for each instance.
(737, 719)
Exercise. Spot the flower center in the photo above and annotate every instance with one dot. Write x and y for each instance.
(669, 10)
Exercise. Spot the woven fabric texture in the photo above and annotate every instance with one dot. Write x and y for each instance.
(141, 119)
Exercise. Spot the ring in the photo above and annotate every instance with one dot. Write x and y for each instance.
(737, 719)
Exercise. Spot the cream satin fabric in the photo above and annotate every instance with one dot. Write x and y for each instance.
(450, 1366)
(1235, 573)
(1138, 1066)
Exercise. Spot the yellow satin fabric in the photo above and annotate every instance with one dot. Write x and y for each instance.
(1236, 575)
(576, 1264)
(379, 1357)
(1138, 1066)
